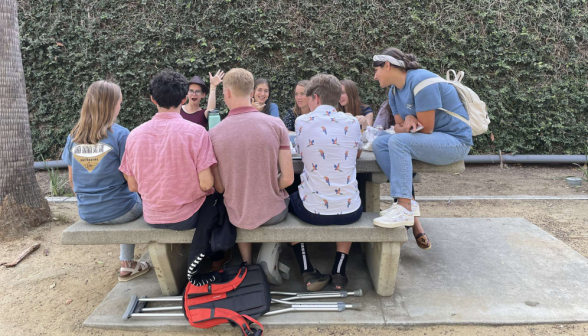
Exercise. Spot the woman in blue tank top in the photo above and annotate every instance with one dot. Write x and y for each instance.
(422, 132)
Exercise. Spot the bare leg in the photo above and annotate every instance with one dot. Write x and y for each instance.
(405, 202)
(417, 228)
(245, 249)
(343, 247)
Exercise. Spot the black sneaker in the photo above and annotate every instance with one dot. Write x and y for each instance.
(315, 280)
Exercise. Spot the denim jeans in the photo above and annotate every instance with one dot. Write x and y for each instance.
(395, 152)
(127, 251)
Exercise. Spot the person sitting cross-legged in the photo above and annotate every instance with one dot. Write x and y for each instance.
(329, 143)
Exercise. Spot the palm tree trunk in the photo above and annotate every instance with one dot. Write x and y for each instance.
(21, 203)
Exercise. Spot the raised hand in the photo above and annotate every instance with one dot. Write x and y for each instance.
(257, 105)
(216, 79)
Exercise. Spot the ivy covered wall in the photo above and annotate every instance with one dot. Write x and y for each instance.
(528, 59)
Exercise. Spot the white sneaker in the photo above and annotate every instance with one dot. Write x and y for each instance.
(416, 209)
(396, 216)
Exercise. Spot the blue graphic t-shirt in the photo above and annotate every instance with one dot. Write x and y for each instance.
(102, 191)
(433, 97)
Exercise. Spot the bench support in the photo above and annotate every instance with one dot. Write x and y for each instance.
(383, 260)
(171, 266)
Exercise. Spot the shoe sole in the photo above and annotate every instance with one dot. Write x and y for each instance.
(133, 276)
(394, 225)
(317, 286)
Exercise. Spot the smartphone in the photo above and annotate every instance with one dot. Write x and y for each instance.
(414, 130)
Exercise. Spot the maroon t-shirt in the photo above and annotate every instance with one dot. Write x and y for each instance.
(198, 117)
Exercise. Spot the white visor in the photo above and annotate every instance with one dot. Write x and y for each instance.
(386, 58)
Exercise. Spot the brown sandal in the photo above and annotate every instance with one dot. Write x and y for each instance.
(423, 241)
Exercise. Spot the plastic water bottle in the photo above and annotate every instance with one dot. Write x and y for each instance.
(213, 118)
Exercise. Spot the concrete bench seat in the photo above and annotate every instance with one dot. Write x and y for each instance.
(169, 249)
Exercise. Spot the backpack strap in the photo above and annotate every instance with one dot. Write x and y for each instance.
(455, 115)
(429, 81)
(203, 315)
(434, 80)
(193, 291)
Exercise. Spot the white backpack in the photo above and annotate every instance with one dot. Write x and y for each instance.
(475, 107)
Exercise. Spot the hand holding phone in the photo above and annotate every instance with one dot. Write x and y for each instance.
(414, 130)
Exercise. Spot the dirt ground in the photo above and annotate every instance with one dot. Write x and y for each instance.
(35, 294)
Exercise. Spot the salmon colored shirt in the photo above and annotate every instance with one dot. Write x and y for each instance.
(165, 155)
(247, 143)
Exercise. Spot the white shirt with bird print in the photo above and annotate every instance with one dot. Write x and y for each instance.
(328, 142)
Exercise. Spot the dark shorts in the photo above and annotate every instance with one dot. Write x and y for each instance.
(297, 208)
(192, 222)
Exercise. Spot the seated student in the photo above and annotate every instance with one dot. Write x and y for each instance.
(261, 98)
(250, 147)
(93, 152)
(196, 92)
(300, 108)
(168, 161)
(350, 103)
(442, 140)
(329, 143)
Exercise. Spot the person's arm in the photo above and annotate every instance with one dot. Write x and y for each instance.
(70, 177)
(427, 119)
(426, 102)
(359, 153)
(286, 177)
(133, 186)
(214, 82)
(206, 179)
(218, 183)
(399, 124)
(369, 118)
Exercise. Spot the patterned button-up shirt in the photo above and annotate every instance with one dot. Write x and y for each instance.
(328, 142)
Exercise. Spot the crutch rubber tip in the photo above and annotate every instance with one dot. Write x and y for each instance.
(358, 292)
(356, 306)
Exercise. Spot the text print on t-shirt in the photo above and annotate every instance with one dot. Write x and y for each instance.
(89, 156)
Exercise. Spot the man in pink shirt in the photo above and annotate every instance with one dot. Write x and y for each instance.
(168, 162)
(250, 146)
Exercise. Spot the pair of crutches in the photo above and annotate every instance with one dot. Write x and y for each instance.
(136, 307)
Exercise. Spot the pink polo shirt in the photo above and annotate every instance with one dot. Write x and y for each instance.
(165, 156)
(247, 144)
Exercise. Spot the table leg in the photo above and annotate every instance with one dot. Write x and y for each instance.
(383, 259)
(170, 262)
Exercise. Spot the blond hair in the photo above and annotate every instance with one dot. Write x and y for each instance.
(297, 109)
(240, 81)
(98, 113)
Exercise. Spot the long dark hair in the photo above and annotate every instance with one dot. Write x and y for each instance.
(268, 102)
(354, 104)
(410, 60)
